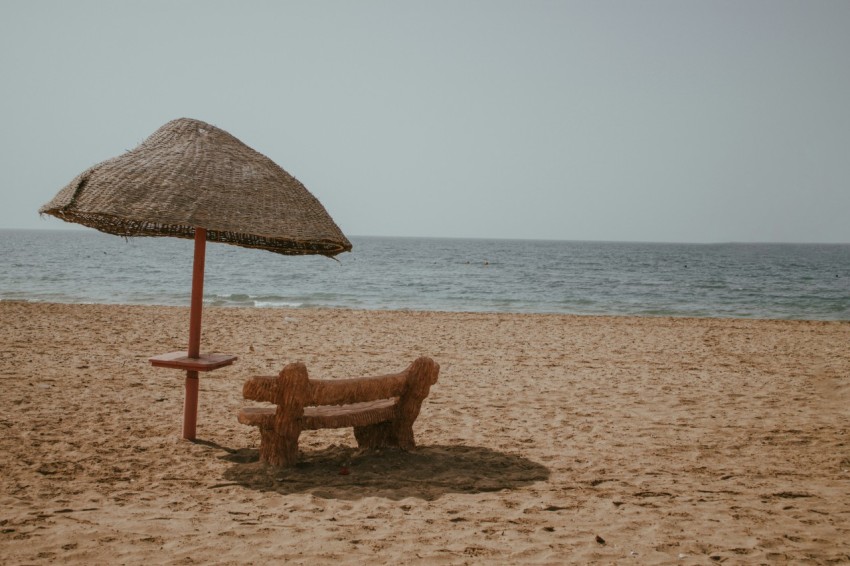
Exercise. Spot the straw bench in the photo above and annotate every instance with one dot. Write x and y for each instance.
(381, 409)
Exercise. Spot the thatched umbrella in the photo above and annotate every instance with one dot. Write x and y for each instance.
(192, 180)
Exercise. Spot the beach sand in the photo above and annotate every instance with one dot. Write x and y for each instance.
(548, 439)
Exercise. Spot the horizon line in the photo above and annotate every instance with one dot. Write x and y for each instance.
(81, 228)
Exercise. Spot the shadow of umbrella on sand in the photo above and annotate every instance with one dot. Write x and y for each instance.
(192, 180)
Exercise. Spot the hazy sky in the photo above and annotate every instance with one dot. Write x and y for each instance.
(683, 121)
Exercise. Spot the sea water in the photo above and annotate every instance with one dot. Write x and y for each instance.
(778, 281)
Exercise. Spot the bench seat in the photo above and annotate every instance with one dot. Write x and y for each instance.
(327, 416)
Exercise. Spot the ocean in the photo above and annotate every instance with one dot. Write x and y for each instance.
(756, 281)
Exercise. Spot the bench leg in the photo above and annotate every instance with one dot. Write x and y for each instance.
(266, 442)
(278, 450)
(403, 433)
(423, 374)
(396, 434)
(375, 436)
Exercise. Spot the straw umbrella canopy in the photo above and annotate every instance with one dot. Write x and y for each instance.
(193, 180)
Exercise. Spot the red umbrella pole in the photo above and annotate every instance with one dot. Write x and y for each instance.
(190, 405)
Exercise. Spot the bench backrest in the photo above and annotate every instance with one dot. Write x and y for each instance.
(293, 382)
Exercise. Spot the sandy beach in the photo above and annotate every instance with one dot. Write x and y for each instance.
(548, 439)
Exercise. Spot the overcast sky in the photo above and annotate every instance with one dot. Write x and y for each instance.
(670, 121)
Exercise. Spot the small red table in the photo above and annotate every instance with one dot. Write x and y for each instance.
(204, 362)
(181, 360)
